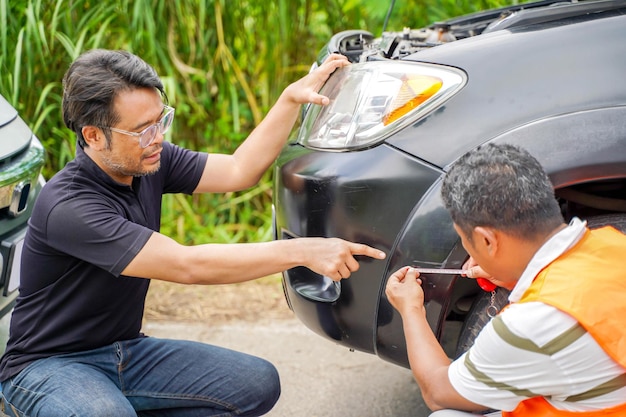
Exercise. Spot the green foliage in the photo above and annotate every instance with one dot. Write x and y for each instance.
(223, 63)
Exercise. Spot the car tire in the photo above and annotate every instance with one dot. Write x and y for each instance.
(478, 316)
(617, 220)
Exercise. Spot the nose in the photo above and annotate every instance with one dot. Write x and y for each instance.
(159, 137)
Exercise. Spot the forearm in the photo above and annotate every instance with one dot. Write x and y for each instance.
(427, 358)
(231, 263)
(269, 137)
(429, 363)
(256, 154)
(163, 258)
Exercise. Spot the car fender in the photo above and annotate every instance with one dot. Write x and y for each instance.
(576, 147)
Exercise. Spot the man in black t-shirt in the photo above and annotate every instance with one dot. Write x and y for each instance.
(93, 244)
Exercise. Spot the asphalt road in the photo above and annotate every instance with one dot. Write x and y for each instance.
(319, 378)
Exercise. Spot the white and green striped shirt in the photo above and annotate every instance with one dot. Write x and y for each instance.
(532, 349)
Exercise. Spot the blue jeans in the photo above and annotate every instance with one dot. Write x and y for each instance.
(146, 377)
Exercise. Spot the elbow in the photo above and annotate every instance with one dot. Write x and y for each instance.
(437, 396)
(249, 183)
(436, 400)
(183, 276)
(432, 402)
(188, 279)
(183, 271)
(244, 176)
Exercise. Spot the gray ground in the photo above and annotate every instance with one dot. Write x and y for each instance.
(319, 378)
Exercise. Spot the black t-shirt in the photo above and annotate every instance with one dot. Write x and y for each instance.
(84, 230)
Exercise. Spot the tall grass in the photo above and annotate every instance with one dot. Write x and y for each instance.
(223, 63)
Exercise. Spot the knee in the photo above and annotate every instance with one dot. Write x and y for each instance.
(265, 389)
(270, 386)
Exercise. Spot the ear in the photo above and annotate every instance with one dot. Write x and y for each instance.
(487, 239)
(94, 137)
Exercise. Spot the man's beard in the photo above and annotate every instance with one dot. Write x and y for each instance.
(123, 169)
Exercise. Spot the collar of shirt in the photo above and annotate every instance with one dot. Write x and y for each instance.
(548, 252)
(89, 165)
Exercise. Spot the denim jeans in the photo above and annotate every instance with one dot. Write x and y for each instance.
(146, 377)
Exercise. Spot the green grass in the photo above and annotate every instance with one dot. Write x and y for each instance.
(223, 63)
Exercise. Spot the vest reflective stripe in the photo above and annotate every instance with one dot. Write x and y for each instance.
(589, 283)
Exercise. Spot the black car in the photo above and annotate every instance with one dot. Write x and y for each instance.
(547, 76)
(21, 162)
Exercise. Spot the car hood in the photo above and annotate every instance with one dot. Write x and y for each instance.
(517, 77)
(16, 135)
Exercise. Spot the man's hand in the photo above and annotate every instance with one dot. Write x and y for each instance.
(306, 89)
(474, 270)
(489, 282)
(335, 258)
(427, 358)
(404, 290)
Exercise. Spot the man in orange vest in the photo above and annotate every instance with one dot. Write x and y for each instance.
(559, 348)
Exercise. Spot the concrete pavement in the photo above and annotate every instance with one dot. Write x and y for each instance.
(319, 378)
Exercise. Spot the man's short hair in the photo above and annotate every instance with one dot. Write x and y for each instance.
(92, 82)
(504, 187)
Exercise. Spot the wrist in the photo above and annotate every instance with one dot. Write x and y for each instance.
(288, 95)
(413, 311)
(297, 248)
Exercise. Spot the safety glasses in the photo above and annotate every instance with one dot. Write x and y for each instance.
(147, 136)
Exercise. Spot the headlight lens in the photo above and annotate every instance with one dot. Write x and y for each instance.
(370, 101)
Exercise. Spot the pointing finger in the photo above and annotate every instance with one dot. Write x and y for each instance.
(361, 249)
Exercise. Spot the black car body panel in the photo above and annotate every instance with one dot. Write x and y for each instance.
(330, 195)
(544, 73)
(543, 76)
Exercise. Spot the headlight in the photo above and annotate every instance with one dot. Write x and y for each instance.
(370, 101)
(17, 176)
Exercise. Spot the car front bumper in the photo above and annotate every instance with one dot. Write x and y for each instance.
(381, 197)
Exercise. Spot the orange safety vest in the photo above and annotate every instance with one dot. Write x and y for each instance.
(587, 282)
